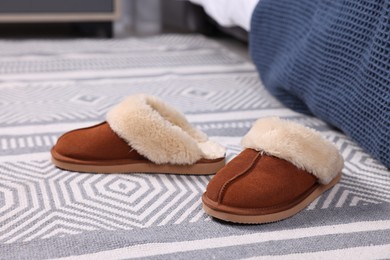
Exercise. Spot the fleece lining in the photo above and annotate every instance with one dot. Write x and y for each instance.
(160, 132)
(300, 145)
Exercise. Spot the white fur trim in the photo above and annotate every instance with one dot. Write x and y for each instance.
(300, 145)
(160, 132)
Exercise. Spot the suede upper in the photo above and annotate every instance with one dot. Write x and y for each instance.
(283, 163)
(257, 181)
(95, 143)
(99, 145)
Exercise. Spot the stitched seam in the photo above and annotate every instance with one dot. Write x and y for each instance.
(250, 167)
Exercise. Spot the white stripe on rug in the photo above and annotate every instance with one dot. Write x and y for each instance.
(26, 157)
(155, 249)
(132, 72)
(192, 118)
(364, 252)
(44, 128)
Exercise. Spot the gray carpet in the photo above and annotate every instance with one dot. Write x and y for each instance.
(49, 87)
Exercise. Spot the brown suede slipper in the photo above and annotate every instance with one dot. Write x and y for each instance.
(142, 134)
(284, 167)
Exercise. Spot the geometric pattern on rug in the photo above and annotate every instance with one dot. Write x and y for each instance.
(50, 87)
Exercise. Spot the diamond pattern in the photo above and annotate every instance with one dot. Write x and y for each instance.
(39, 201)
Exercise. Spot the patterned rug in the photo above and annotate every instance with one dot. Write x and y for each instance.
(49, 87)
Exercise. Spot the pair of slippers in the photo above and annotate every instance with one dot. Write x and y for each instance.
(283, 168)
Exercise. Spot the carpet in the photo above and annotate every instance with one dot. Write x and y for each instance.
(48, 87)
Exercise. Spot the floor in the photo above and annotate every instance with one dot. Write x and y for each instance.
(72, 30)
(235, 46)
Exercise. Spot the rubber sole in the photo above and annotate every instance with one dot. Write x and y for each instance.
(274, 217)
(195, 169)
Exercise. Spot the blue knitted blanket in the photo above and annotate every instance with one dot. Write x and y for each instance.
(330, 59)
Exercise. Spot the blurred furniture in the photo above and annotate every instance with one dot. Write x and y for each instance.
(91, 16)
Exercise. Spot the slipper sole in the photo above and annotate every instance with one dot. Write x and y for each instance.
(267, 218)
(143, 167)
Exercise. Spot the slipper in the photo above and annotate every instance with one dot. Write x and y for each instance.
(283, 168)
(141, 134)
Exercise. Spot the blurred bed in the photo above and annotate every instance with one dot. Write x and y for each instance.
(227, 16)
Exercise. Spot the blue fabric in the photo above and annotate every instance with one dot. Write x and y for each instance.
(330, 59)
